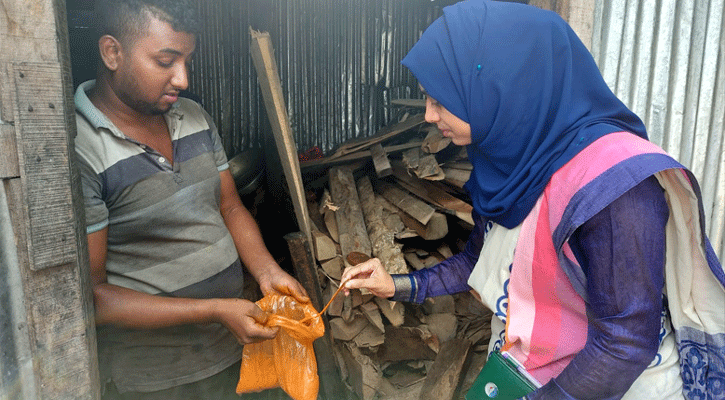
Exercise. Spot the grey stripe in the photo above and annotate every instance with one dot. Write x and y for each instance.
(404, 290)
(150, 184)
(175, 273)
(175, 223)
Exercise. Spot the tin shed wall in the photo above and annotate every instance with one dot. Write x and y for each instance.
(666, 60)
(339, 64)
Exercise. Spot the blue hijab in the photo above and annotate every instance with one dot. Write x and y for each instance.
(530, 90)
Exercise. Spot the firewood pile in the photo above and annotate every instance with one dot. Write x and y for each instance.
(397, 196)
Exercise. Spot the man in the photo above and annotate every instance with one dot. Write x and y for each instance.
(167, 232)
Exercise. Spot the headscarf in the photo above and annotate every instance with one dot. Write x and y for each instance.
(530, 90)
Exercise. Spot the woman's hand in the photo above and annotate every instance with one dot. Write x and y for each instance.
(275, 280)
(370, 275)
(245, 320)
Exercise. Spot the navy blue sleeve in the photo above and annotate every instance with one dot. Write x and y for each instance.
(447, 277)
(622, 252)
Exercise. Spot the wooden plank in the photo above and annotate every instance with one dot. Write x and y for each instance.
(28, 31)
(363, 374)
(266, 65)
(357, 155)
(17, 364)
(305, 266)
(58, 332)
(434, 142)
(416, 103)
(458, 175)
(382, 239)
(9, 167)
(400, 198)
(436, 228)
(325, 248)
(434, 194)
(384, 134)
(7, 92)
(411, 158)
(429, 169)
(55, 336)
(466, 165)
(405, 343)
(394, 311)
(42, 138)
(444, 375)
(305, 270)
(352, 233)
(380, 161)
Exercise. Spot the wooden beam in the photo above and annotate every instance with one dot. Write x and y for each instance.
(433, 194)
(415, 103)
(400, 198)
(434, 141)
(445, 373)
(7, 89)
(41, 129)
(266, 65)
(50, 309)
(436, 228)
(382, 239)
(323, 162)
(380, 161)
(351, 229)
(384, 134)
(9, 167)
(306, 272)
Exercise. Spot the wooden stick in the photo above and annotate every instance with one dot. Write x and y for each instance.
(353, 258)
(342, 284)
(307, 318)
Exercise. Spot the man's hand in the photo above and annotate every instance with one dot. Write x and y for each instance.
(370, 275)
(245, 320)
(274, 280)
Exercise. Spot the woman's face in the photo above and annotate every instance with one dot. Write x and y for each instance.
(450, 126)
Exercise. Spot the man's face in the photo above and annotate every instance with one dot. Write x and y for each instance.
(154, 68)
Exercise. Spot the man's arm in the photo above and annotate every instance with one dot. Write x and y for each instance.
(128, 308)
(251, 247)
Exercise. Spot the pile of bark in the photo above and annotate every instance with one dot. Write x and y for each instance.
(397, 196)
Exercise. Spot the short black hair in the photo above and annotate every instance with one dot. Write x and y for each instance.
(127, 19)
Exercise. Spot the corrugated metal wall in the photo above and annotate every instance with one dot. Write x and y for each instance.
(666, 60)
(339, 64)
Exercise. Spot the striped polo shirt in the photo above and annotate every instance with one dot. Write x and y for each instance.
(166, 236)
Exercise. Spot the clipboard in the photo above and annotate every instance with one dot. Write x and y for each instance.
(502, 378)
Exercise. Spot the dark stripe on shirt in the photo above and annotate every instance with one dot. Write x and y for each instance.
(228, 283)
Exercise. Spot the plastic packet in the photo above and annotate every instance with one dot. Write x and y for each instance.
(287, 361)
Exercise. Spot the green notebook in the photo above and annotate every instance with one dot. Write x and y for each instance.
(502, 378)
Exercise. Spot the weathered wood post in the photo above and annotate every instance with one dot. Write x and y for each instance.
(47, 333)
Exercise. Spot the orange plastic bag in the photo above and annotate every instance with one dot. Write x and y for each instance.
(287, 361)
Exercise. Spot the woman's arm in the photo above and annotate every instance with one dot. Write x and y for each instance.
(447, 277)
(622, 252)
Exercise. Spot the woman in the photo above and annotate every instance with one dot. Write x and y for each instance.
(588, 242)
